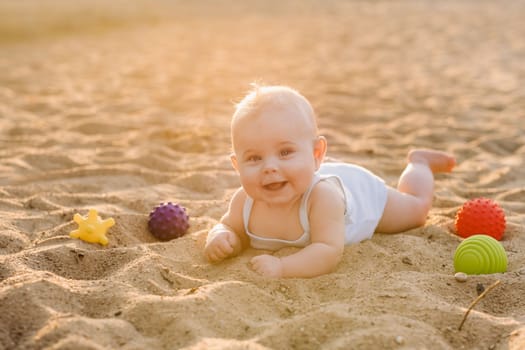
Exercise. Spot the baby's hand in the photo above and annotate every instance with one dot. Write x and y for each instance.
(267, 265)
(221, 246)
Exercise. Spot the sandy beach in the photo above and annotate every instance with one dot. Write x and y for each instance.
(119, 108)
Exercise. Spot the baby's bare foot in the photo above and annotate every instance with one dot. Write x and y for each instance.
(439, 162)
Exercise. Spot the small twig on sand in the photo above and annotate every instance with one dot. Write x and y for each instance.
(481, 296)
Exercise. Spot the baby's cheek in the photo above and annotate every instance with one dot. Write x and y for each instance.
(249, 179)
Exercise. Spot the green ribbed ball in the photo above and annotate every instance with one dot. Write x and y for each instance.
(480, 254)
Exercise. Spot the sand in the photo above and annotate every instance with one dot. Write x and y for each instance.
(120, 108)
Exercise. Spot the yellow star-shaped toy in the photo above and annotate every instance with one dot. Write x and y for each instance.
(92, 229)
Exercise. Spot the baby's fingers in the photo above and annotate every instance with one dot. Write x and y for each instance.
(219, 251)
(267, 265)
(257, 258)
(224, 247)
(215, 256)
(257, 263)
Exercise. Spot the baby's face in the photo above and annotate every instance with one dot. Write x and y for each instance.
(274, 154)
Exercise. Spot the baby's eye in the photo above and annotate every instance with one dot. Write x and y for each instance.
(253, 158)
(286, 152)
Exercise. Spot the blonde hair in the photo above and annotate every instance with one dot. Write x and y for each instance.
(264, 97)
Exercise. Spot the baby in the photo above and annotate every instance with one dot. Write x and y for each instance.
(290, 198)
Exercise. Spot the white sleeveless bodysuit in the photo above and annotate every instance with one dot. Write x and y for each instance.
(365, 198)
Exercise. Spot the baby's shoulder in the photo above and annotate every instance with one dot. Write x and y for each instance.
(329, 185)
(237, 201)
(327, 192)
(326, 201)
(234, 214)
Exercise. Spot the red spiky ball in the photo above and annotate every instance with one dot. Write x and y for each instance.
(168, 221)
(480, 216)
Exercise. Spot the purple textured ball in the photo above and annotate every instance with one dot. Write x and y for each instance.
(168, 221)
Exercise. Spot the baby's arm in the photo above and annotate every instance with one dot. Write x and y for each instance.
(221, 243)
(227, 238)
(327, 228)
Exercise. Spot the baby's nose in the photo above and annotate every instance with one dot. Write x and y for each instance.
(270, 166)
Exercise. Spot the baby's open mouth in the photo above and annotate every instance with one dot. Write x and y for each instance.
(274, 186)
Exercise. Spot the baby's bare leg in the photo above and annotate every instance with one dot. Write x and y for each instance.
(408, 205)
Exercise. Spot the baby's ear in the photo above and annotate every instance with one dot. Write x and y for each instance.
(233, 159)
(320, 146)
